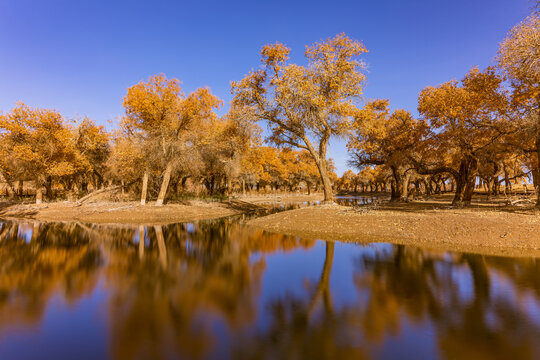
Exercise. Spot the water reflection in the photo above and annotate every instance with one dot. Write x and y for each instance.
(354, 200)
(220, 289)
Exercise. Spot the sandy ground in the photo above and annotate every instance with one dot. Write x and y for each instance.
(114, 212)
(120, 212)
(480, 229)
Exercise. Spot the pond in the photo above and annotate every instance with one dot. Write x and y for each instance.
(220, 289)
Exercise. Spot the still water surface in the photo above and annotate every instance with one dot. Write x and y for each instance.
(220, 289)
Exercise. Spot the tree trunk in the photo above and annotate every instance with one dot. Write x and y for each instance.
(427, 187)
(49, 187)
(461, 181)
(460, 187)
(164, 184)
(144, 188)
(243, 187)
(84, 186)
(327, 185)
(495, 186)
(20, 188)
(39, 192)
(469, 190)
(396, 185)
(405, 187)
(184, 179)
(489, 187)
(506, 180)
(229, 187)
(471, 180)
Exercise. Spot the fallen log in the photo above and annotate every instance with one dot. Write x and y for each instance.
(97, 192)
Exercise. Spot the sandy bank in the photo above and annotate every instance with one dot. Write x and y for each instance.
(119, 212)
(488, 231)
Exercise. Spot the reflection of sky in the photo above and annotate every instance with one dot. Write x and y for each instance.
(66, 331)
(136, 239)
(25, 232)
(505, 289)
(414, 341)
(463, 281)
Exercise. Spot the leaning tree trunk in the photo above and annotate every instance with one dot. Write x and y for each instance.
(320, 160)
(144, 187)
(327, 185)
(164, 184)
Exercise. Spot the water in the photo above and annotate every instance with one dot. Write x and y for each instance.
(220, 289)
(354, 200)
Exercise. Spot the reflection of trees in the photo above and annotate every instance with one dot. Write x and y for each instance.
(399, 286)
(38, 260)
(485, 324)
(163, 287)
(401, 280)
(163, 292)
(297, 330)
(166, 282)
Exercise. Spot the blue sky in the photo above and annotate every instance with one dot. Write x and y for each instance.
(80, 56)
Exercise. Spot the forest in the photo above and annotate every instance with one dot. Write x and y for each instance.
(479, 132)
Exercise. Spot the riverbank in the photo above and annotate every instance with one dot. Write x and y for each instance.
(497, 230)
(126, 212)
(119, 212)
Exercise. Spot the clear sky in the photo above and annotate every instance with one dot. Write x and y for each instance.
(80, 56)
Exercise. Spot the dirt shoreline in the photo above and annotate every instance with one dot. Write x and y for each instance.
(495, 231)
(488, 227)
(109, 212)
(118, 212)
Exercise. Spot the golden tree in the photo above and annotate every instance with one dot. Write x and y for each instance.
(383, 138)
(92, 143)
(306, 105)
(519, 58)
(126, 159)
(37, 144)
(163, 116)
(467, 120)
